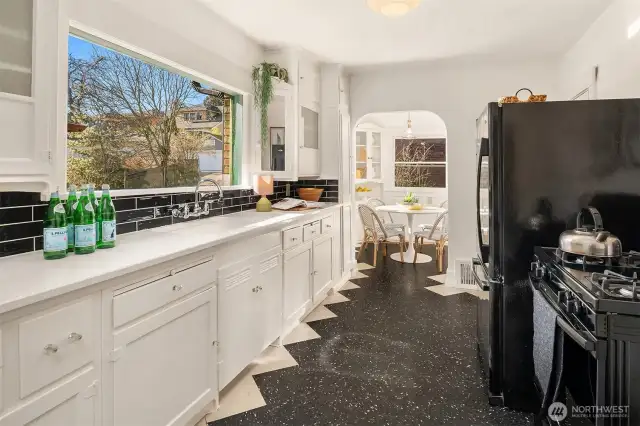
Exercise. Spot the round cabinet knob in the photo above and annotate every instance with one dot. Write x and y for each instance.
(74, 337)
(177, 287)
(50, 349)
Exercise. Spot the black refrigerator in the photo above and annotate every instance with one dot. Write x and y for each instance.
(538, 164)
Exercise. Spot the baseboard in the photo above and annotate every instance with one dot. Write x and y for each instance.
(342, 281)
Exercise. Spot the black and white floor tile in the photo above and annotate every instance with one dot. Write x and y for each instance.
(393, 354)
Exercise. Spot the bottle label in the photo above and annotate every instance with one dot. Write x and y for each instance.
(88, 207)
(75, 205)
(108, 231)
(59, 208)
(71, 233)
(85, 235)
(55, 239)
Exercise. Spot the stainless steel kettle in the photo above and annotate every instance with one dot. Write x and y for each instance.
(586, 241)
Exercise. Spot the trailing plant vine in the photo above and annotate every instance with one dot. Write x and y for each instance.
(263, 93)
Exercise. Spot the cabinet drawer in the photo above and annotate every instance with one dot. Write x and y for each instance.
(55, 344)
(327, 224)
(311, 230)
(291, 237)
(151, 296)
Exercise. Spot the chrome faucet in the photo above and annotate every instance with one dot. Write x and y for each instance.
(197, 211)
(183, 209)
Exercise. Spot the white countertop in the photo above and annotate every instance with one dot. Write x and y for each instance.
(29, 278)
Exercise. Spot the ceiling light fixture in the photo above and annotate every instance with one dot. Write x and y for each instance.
(408, 134)
(393, 8)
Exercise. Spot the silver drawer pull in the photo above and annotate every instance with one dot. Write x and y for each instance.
(294, 239)
(255, 289)
(74, 337)
(177, 287)
(259, 288)
(50, 349)
(328, 226)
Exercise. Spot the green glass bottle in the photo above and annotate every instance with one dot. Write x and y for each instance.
(106, 220)
(84, 222)
(72, 203)
(96, 207)
(55, 229)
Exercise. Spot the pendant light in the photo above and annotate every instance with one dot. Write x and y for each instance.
(393, 8)
(408, 134)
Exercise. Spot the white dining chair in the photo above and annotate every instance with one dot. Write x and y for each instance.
(437, 236)
(375, 233)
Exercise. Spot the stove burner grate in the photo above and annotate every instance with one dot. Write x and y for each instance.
(617, 285)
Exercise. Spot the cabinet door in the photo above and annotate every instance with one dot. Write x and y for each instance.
(346, 243)
(164, 366)
(374, 140)
(270, 297)
(74, 403)
(33, 37)
(237, 334)
(279, 152)
(322, 267)
(297, 281)
(362, 154)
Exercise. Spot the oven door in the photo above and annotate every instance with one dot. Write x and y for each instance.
(482, 198)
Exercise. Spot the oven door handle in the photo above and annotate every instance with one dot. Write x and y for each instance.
(577, 337)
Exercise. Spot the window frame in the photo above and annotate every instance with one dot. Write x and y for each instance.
(390, 181)
(92, 35)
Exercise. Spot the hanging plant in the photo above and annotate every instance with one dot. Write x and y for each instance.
(263, 93)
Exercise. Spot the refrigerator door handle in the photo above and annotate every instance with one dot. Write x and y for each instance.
(482, 152)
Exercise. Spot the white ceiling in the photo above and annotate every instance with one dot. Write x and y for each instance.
(347, 32)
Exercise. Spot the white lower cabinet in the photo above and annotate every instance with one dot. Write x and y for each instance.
(164, 367)
(250, 312)
(297, 282)
(323, 260)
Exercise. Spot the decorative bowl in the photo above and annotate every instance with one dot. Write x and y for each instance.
(310, 194)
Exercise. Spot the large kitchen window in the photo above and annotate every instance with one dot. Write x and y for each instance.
(135, 124)
(420, 163)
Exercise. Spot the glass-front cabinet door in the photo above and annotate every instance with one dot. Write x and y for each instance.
(278, 151)
(368, 154)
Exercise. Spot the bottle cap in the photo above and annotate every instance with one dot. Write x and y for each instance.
(90, 186)
(105, 187)
(72, 187)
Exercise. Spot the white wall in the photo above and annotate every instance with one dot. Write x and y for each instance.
(607, 45)
(185, 32)
(457, 91)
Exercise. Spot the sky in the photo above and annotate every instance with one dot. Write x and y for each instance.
(83, 49)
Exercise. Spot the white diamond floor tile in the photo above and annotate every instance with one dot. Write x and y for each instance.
(273, 358)
(444, 290)
(335, 298)
(301, 333)
(364, 266)
(349, 286)
(241, 395)
(356, 275)
(482, 295)
(319, 313)
(440, 278)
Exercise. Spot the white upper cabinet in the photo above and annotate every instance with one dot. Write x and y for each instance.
(32, 93)
(368, 153)
(293, 146)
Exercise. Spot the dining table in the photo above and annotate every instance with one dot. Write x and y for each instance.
(411, 214)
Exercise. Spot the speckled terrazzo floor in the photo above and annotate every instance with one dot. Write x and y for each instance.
(395, 354)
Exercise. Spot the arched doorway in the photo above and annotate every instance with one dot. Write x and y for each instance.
(387, 162)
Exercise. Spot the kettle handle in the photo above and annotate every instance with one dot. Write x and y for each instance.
(595, 214)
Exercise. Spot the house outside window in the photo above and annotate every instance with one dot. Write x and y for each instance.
(420, 163)
(147, 132)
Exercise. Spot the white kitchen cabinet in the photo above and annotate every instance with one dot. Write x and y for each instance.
(297, 282)
(49, 369)
(368, 153)
(33, 37)
(323, 264)
(165, 366)
(347, 242)
(250, 311)
(309, 161)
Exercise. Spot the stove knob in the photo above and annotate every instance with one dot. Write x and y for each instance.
(571, 306)
(540, 272)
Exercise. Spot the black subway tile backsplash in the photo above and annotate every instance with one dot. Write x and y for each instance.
(16, 215)
(154, 223)
(21, 213)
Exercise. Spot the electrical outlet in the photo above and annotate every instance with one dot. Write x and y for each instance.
(287, 190)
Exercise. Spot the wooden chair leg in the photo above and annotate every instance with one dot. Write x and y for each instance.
(417, 248)
(375, 253)
(384, 250)
(440, 253)
(363, 246)
(401, 249)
